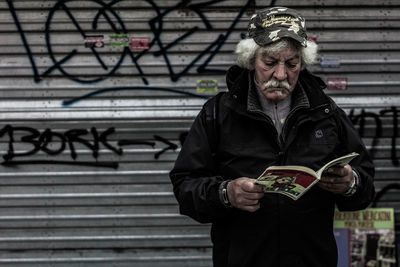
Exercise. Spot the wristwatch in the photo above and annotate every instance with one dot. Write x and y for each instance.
(353, 187)
(223, 194)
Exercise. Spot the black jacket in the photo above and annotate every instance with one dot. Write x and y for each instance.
(283, 232)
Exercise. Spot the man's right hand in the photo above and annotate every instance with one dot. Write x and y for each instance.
(244, 194)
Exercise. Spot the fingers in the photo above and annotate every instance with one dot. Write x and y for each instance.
(337, 179)
(251, 187)
(338, 170)
(244, 194)
(334, 180)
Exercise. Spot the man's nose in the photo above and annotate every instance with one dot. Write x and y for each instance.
(280, 72)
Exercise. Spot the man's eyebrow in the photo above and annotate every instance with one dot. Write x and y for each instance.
(297, 57)
(265, 54)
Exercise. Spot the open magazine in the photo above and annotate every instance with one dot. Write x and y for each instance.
(294, 181)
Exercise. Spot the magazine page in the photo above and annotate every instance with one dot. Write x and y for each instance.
(290, 182)
(365, 238)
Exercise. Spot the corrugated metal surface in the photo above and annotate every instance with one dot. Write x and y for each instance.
(89, 134)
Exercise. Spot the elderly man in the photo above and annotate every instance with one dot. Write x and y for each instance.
(275, 113)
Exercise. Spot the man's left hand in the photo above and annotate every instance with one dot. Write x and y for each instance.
(337, 179)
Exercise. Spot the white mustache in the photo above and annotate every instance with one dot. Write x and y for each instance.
(277, 84)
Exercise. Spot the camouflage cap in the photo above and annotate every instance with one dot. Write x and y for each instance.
(270, 25)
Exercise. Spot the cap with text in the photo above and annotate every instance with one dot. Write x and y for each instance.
(272, 24)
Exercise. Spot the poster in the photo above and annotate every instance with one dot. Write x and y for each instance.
(365, 238)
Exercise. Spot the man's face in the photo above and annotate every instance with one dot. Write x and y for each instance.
(277, 73)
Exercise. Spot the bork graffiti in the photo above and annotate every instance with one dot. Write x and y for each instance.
(94, 139)
(54, 143)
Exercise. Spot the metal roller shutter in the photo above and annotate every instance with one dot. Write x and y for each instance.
(90, 127)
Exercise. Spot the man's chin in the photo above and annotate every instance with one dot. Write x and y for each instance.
(276, 95)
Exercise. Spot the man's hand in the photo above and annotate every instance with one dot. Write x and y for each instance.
(244, 194)
(337, 179)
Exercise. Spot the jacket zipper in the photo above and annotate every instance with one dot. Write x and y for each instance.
(285, 125)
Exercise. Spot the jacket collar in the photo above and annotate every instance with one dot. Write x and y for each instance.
(237, 80)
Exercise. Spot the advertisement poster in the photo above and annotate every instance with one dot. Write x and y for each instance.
(365, 238)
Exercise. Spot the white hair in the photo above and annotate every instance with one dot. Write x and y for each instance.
(246, 51)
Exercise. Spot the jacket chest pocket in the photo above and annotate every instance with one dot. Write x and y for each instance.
(314, 144)
(321, 133)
